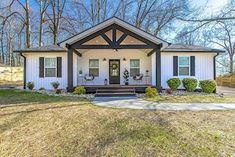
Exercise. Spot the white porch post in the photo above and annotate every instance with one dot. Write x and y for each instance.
(153, 58)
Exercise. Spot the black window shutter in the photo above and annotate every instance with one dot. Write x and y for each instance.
(41, 67)
(175, 65)
(59, 66)
(192, 65)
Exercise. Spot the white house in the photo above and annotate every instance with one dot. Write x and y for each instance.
(100, 55)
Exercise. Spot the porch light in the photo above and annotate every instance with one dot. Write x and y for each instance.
(104, 59)
(115, 50)
(124, 59)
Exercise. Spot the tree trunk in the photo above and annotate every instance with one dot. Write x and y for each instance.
(231, 65)
(28, 26)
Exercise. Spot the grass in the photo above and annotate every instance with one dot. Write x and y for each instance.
(193, 99)
(33, 124)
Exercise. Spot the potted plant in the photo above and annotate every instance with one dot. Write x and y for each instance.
(80, 72)
(55, 85)
(126, 76)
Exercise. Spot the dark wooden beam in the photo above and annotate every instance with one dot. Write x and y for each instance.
(151, 52)
(120, 40)
(134, 35)
(92, 36)
(77, 52)
(114, 35)
(70, 69)
(113, 47)
(104, 36)
(158, 70)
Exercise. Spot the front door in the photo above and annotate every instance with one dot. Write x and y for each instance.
(114, 71)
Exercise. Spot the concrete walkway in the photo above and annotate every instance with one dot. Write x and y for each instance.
(137, 103)
(226, 91)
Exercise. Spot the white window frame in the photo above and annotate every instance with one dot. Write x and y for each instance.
(134, 67)
(50, 67)
(189, 72)
(94, 67)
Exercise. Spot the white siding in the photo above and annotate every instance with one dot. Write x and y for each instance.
(83, 63)
(32, 69)
(203, 66)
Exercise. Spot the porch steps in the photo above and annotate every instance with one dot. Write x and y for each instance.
(115, 91)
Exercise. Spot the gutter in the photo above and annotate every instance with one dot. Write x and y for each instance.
(214, 62)
(24, 69)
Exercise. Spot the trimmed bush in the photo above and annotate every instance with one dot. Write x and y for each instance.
(174, 83)
(190, 84)
(79, 90)
(55, 85)
(151, 92)
(208, 86)
(30, 85)
(42, 88)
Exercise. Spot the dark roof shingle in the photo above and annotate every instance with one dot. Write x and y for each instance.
(188, 48)
(49, 48)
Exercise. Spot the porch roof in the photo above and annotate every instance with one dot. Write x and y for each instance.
(107, 23)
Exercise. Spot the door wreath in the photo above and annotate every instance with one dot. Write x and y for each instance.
(114, 66)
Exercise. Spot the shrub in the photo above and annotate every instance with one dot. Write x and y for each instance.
(42, 88)
(190, 84)
(208, 86)
(30, 85)
(58, 91)
(79, 90)
(174, 83)
(150, 92)
(55, 85)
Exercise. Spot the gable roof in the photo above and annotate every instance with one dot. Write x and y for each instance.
(48, 48)
(117, 21)
(188, 48)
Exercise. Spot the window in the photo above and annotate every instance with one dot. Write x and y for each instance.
(184, 66)
(50, 67)
(134, 67)
(94, 67)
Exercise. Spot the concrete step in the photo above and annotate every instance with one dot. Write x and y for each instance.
(115, 91)
(114, 94)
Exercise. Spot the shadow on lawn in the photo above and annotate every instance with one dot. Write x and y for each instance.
(9, 98)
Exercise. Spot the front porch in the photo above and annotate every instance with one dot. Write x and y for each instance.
(113, 88)
(105, 53)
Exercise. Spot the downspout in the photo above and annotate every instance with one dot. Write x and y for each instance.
(214, 62)
(24, 69)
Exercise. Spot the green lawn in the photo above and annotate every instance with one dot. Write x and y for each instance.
(32, 124)
(193, 99)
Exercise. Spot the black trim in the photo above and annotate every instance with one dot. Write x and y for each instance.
(24, 86)
(192, 65)
(115, 47)
(41, 67)
(214, 65)
(59, 66)
(175, 65)
(70, 69)
(158, 70)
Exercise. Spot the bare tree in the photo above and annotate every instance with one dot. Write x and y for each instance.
(43, 5)
(54, 16)
(223, 34)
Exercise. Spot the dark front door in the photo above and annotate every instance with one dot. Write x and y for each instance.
(114, 71)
